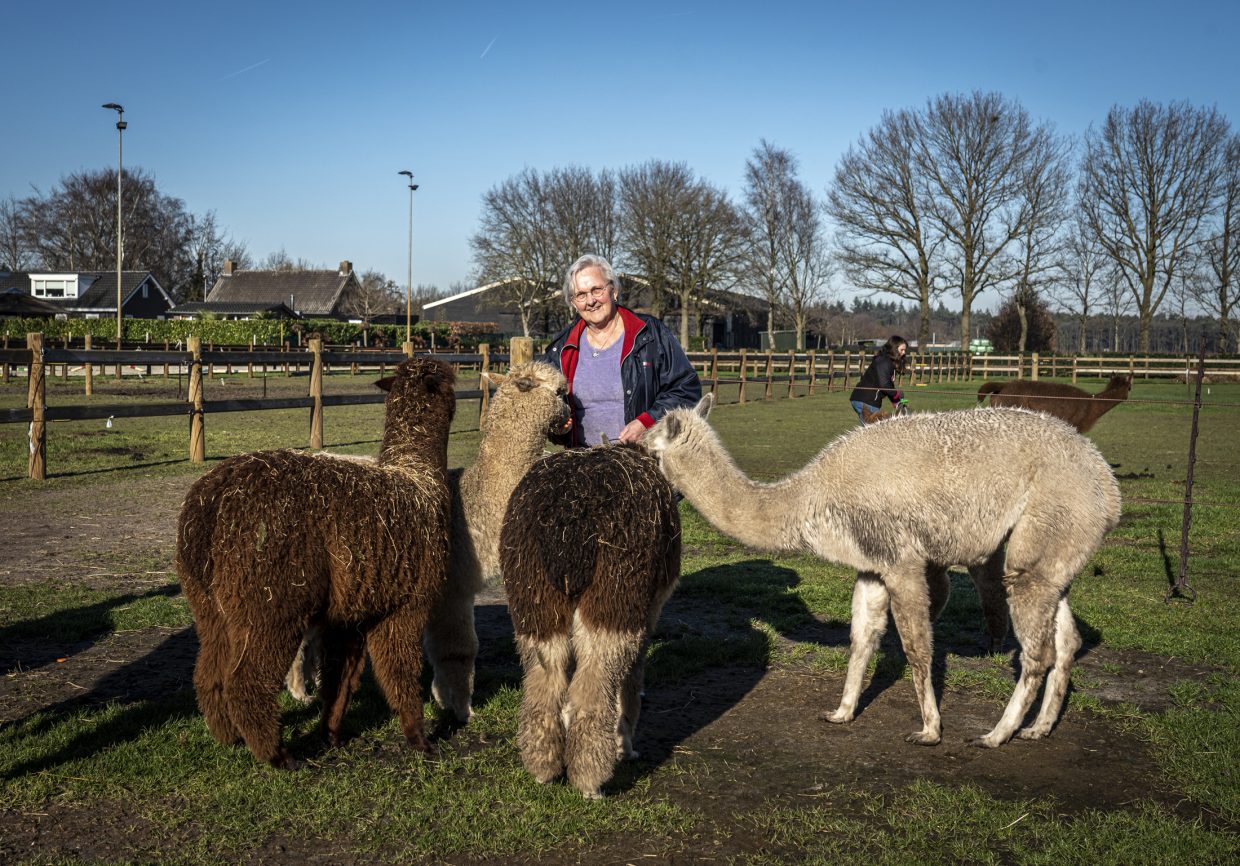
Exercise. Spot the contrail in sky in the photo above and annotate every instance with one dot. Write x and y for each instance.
(488, 48)
(248, 68)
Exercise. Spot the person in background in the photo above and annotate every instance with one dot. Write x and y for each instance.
(625, 370)
(878, 380)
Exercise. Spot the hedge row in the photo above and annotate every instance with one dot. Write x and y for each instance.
(464, 336)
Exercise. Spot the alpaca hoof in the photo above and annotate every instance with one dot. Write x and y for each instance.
(421, 744)
(282, 760)
(986, 742)
(1033, 732)
(594, 794)
(838, 717)
(922, 738)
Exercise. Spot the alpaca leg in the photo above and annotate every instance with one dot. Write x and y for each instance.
(214, 660)
(343, 660)
(605, 660)
(869, 620)
(451, 647)
(395, 646)
(629, 706)
(939, 586)
(988, 578)
(305, 668)
(252, 686)
(540, 735)
(1033, 602)
(910, 608)
(1067, 642)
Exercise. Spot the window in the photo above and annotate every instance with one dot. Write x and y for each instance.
(54, 286)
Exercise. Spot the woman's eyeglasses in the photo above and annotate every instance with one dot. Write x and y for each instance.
(597, 293)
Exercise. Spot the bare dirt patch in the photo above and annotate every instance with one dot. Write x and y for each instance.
(740, 738)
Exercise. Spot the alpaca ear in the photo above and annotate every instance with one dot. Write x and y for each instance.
(705, 405)
(495, 379)
(385, 384)
(671, 425)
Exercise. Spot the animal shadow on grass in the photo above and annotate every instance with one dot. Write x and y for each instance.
(152, 691)
(707, 654)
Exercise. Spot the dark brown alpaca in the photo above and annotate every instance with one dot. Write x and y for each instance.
(1079, 408)
(590, 551)
(272, 543)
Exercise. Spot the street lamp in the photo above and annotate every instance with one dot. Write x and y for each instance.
(409, 278)
(120, 233)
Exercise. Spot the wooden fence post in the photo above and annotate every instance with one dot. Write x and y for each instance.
(316, 391)
(830, 371)
(812, 371)
(1033, 367)
(520, 351)
(744, 372)
(714, 371)
(197, 437)
(166, 349)
(484, 383)
(37, 401)
(250, 362)
(407, 348)
(89, 370)
(792, 372)
(7, 373)
(770, 363)
(120, 345)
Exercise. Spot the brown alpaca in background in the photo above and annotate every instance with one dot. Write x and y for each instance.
(1079, 408)
(272, 543)
(590, 551)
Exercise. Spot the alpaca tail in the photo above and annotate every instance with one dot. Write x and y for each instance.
(987, 389)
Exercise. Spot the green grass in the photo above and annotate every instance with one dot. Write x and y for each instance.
(200, 803)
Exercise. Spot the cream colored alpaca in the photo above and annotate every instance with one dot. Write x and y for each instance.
(527, 405)
(898, 501)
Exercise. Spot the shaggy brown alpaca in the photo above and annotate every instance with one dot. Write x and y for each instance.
(272, 543)
(1079, 408)
(590, 551)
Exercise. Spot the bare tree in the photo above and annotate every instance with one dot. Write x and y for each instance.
(15, 254)
(654, 198)
(376, 295)
(513, 245)
(73, 227)
(971, 157)
(584, 211)
(770, 180)
(809, 265)
(1220, 294)
(1044, 188)
(280, 260)
(885, 240)
(210, 247)
(1149, 178)
(705, 249)
(1080, 266)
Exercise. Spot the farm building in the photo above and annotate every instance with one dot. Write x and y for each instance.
(92, 294)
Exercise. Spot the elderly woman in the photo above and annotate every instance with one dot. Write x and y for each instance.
(625, 370)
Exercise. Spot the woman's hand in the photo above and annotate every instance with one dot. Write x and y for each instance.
(633, 431)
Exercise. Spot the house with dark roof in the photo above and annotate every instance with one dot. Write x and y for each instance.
(321, 294)
(92, 294)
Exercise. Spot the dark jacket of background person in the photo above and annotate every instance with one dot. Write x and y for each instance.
(877, 380)
(654, 371)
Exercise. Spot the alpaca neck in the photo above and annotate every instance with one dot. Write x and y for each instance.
(755, 514)
(504, 459)
(406, 443)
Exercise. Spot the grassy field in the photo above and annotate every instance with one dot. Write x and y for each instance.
(140, 780)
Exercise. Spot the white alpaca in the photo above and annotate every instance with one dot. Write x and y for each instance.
(1013, 492)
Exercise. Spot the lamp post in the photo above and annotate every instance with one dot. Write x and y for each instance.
(409, 276)
(120, 231)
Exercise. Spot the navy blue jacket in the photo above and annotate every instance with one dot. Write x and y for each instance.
(877, 380)
(654, 371)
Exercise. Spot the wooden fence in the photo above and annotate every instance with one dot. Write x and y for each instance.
(37, 359)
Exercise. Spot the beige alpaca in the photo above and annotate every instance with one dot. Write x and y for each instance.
(527, 405)
(1002, 489)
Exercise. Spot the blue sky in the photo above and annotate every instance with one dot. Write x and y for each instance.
(291, 120)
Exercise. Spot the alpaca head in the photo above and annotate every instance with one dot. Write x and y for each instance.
(678, 434)
(418, 393)
(1119, 385)
(531, 393)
